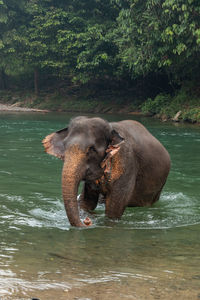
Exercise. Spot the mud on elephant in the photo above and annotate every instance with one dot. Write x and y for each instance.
(120, 161)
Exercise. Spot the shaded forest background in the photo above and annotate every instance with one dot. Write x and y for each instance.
(100, 54)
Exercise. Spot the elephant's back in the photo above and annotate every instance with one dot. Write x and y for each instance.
(135, 131)
(134, 128)
(143, 142)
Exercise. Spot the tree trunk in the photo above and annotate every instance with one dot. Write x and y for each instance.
(3, 79)
(36, 81)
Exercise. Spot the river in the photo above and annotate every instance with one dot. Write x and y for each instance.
(151, 253)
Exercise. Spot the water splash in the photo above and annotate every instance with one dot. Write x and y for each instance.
(172, 210)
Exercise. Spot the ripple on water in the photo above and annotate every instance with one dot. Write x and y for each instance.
(13, 198)
(113, 275)
(172, 210)
(10, 284)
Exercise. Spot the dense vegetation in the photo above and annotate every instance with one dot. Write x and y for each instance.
(104, 49)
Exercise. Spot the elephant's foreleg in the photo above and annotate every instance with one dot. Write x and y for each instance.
(114, 210)
(115, 204)
(118, 198)
(89, 198)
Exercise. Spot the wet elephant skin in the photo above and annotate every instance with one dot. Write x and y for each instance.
(120, 162)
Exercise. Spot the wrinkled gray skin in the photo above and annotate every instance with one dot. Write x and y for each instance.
(132, 172)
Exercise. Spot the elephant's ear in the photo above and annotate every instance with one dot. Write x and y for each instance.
(116, 139)
(54, 143)
(112, 150)
(115, 144)
(112, 162)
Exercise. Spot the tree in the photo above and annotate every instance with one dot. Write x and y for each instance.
(71, 38)
(11, 18)
(159, 35)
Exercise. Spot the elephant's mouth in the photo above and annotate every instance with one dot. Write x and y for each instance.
(93, 175)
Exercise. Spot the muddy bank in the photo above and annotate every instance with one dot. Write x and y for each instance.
(94, 107)
(104, 109)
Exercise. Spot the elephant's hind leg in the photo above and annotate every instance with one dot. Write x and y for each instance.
(156, 197)
(89, 198)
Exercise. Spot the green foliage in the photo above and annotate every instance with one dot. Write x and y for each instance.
(154, 35)
(156, 105)
(191, 115)
(84, 41)
(67, 38)
(184, 101)
(71, 38)
(10, 20)
(88, 39)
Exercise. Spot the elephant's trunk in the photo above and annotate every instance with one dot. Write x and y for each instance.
(72, 174)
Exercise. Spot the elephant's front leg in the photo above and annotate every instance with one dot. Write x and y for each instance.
(89, 198)
(116, 202)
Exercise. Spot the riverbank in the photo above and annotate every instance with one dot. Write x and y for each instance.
(182, 106)
(72, 100)
(77, 107)
(177, 108)
(6, 107)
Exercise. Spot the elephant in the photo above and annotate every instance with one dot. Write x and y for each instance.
(121, 162)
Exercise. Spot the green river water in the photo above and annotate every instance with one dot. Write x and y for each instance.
(151, 253)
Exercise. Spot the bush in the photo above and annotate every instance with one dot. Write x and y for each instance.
(192, 115)
(165, 105)
(156, 106)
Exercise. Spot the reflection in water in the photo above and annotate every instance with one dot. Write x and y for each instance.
(151, 253)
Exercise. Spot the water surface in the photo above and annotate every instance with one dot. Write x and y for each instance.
(151, 253)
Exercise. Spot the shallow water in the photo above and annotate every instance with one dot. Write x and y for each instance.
(151, 253)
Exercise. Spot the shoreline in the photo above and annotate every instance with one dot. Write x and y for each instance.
(124, 110)
(179, 108)
(15, 108)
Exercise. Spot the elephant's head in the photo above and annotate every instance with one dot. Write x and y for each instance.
(83, 147)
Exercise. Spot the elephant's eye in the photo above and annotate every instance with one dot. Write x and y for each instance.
(92, 150)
